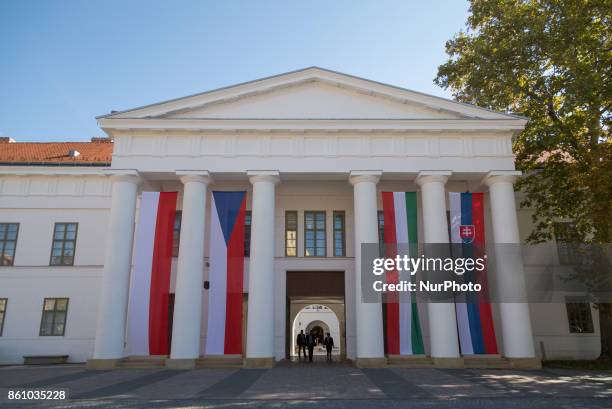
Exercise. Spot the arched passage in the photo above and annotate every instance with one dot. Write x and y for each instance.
(318, 329)
(306, 288)
(318, 319)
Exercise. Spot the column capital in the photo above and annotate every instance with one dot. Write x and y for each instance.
(495, 176)
(359, 176)
(272, 176)
(124, 175)
(201, 176)
(429, 176)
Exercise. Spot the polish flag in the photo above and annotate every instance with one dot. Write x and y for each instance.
(148, 332)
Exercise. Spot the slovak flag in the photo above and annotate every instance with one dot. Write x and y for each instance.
(226, 273)
(148, 324)
(474, 317)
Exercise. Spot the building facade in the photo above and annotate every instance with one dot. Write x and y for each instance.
(313, 149)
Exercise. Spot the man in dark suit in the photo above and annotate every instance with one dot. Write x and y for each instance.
(329, 345)
(301, 343)
(310, 343)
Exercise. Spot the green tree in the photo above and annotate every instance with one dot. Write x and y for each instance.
(550, 61)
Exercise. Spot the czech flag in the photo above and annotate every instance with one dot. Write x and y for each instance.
(474, 317)
(403, 327)
(226, 273)
(148, 332)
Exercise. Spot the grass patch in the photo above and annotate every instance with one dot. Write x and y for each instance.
(579, 364)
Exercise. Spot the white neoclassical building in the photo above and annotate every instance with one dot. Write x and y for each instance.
(307, 145)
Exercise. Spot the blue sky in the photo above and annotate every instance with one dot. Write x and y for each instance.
(64, 62)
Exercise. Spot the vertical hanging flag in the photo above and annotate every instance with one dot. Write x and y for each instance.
(224, 333)
(148, 332)
(403, 327)
(474, 317)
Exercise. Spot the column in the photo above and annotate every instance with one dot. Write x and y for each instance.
(112, 305)
(443, 339)
(190, 272)
(515, 320)
(368, 319)
(260, 319)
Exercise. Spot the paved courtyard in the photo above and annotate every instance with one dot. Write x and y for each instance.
(304, 385)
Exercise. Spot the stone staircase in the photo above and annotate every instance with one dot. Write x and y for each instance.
(486, 362)
(406, 361)
(469, 362)
(236, 361)
(219, 361)
(137, 362)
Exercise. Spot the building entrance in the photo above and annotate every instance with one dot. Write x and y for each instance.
(315, 302)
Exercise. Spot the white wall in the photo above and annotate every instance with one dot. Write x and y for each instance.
(37, 203)
(552, 337)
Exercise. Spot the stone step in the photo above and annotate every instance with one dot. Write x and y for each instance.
(486, 361)
(410, 361)
(143, 362)
(219, 361)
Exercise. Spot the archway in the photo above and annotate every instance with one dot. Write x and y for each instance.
(320, 320)
(318, 329)
(308, 288)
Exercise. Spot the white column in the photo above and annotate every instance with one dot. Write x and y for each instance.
(190, 272)
(515, 320)
(112, 305)
(260, 319)
(443, 338)
(368, 320)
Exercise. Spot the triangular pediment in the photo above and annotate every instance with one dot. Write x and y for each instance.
(311, 93)
(313, 99)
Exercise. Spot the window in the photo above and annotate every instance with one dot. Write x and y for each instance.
(176, 233)
(8, 242)
(3, 302)
(579, 316)
(314, 234)
(381, 232)
(247, 234)
(53, 322)
(565, 234)
(339, 234)
(64, 242)
(291, 233)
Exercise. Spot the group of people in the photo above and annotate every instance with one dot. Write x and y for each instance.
(308, 341)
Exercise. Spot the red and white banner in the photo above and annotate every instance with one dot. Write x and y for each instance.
(148, 332)
(226, 273)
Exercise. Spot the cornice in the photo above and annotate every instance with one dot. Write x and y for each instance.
(305, 125)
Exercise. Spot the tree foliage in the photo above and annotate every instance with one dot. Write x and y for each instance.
(550, 61)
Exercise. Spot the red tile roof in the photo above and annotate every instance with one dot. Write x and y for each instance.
(56, 153)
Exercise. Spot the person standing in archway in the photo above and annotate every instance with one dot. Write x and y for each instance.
(301, 343)
(310, 343)
(329, 345)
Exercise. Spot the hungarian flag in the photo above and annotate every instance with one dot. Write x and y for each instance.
(148, 332)
(474, 317)
(226, 260)
(403, 327)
